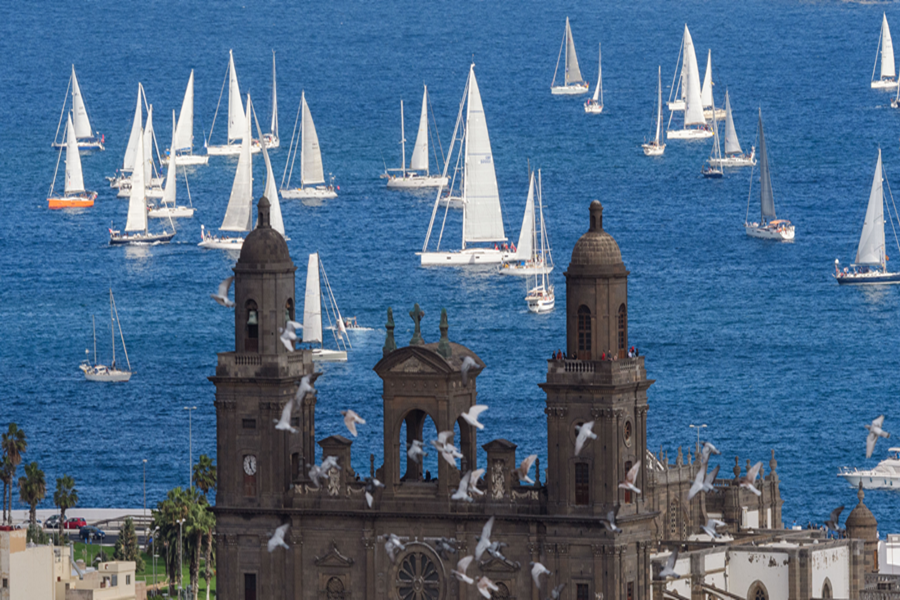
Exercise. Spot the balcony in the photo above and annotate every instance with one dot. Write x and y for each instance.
(251, 364)
(596, 372)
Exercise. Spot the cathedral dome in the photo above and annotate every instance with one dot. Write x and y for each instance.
(861, 523)
(596, 248)
(264, 245)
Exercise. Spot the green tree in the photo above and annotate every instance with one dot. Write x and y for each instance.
(65, 497)
(177, 505)
(200, 523)
(127, 545)
(32, 489)
(6, 476)
(13, 444)
(205, 474)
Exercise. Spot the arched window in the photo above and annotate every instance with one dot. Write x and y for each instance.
(584, 333)
(826, 589)
(289, 310)
(758, 592)
(674, 511)
(334, 589)
(502, 592)
(623, 330)
(582, 484)
(251, 338)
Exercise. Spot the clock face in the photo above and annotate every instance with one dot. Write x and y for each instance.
(250, 464)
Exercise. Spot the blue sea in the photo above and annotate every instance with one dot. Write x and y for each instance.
(754, 339)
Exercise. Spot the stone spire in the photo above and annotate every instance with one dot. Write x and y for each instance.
(417, 313)
(389, 344)
(444, 343)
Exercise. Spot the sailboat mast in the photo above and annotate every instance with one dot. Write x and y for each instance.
(94, 327)
(658, 101)
(600, 72)
(119, 323)
(543, 232)
(402, 142)
(112, 329)
(274, 126)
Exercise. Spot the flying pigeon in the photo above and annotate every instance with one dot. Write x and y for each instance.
(584, 432)
(277, 539)
(221, 296)
(467, 363)
(485, 586)
(703, 482)
(471, 416)
(485, 540)
(289, 335)
(668, 570)
(416, 452)
(284, 424)
(393, 545)
(448, 450)
(630, 478)
(833, 521)
(371, 485)
(473, 482)
(537, 569)
(460, 571)
(749, 479)
(710, 528)
(524, 469)
(610, 521)
(554, 595)
(351, 419)
(708, 449)
(462, 493)
(445, 546)
(494, 550)
(317, 472)
(306, 387)
(875, 432)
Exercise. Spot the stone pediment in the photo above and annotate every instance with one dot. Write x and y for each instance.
(334, 558)
(412, 365)
(426, 359)
(495, 565)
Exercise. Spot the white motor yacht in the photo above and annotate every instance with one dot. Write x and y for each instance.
(884, 476)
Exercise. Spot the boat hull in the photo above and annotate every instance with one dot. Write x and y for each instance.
(324, 355)
(232, 149)
(415, 182)
(104, 374)
(86, 144)
(467, 257)
(523, 270)
(719, 114)
(871, 481)
(884, 84)
(167, 212)
(689, 134)
(139, 239)
(187, 160)
(592, 108)
(570, 90)
(85, 201)
(309, 192)
(781, 234)
(712, 172)
(654, 149)
(872, 278)
(223, 243)
(734, 161)
(539, 301)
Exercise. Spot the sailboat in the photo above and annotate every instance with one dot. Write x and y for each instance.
(271, 138)
(312, 316)
(540, 297)
(706, 93)
(86, 138)
(136, 227)
(734, 155)
(122, 178)
(482, 217)
(531, 255)
(152, 180)
(167, 209)
(677, 93)
(657, 146)
(769, 226)
(183, 141)
(573, 84)
(98, 372)
(888, 80)
(870, 266)
(594, 106)
(312, 175)
(712, 170)
(276, 221)
(236, 125)
(74, 195)
(413, 177)
(695, 126)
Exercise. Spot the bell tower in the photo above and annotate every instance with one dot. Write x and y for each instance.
(258, 464)
(598, 382)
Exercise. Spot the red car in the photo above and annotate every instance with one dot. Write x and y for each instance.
(75, 523)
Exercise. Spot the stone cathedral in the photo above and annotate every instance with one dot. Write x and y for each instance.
(336, 540)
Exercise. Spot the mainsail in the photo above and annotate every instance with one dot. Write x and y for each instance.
(171, 171)
(273, 128)
(236, 122)
(74, 179)
(573, 73)
(184, 131)
(276, 221)
(871, 242)
(311, 172)
(483, 221)
(148, 147)
(887, 51)
(312, 304)
(599, 89)
(706, 93)
(525, 247)
(419, 161)
(693, 107)
(137, 203)
(732, 145)
(766, 198)
(83, 124)
(137, 127)
(238, 215)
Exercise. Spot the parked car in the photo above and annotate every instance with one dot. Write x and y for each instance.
(75, 523)
(90, 532)
(52, 522)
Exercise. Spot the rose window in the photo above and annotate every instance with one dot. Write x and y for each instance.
(418, 578)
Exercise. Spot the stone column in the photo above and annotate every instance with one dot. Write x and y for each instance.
(369, 542)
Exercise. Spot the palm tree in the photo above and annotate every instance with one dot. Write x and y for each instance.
(32, 489)
(6, 476)
(177, 505)
(13, 444)
(65, 497)
(205, 474)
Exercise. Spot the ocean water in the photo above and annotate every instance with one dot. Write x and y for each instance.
(754, 339)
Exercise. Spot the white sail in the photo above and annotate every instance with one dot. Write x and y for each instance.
(732, 145)
(74, 179)
(599, 89)
(525, 247)
(573, 73)
(236, 121)
(276, 221)
(184, 131)
(887, 51)
(311, 172)
(312, 303)
(481, 214)
(419, 161)
(871, 242)
(766, 197)
(273, 127)
(148, 147)
(137, 126)
(693, 105)
(706, 92)
(171, 171)
(83, 124)
(137, 203)
(658, 102)
(238, 215)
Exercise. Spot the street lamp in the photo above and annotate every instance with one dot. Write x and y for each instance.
(180, 555)
(145, 487)
(190, 410)
(698, 428)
